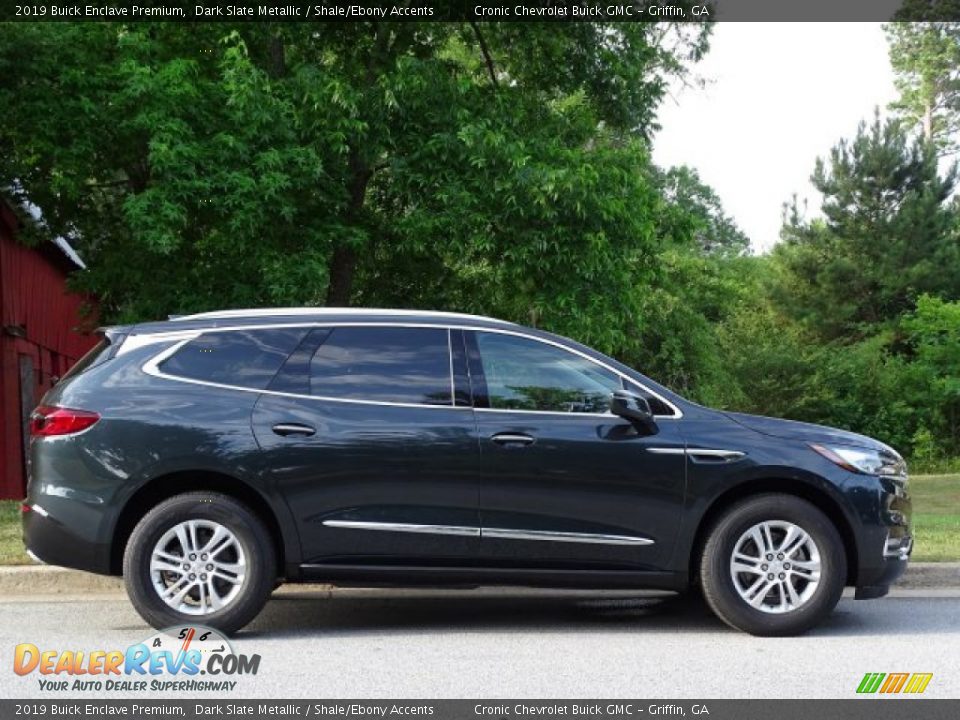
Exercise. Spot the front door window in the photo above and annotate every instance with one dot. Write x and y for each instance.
(525, 374)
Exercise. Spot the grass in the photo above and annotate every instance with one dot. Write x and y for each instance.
(11, 545)
(936, 518)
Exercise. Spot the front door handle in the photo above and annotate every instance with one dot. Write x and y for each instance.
(285, 429)
(513, 439)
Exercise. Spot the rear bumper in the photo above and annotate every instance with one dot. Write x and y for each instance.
(51, 542)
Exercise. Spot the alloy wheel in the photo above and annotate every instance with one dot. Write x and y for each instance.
(198, 567)
(775, 566)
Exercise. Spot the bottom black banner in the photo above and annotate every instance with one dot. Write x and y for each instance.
(853, 709)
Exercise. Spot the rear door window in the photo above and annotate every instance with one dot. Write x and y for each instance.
(384, 364)
(241, 358)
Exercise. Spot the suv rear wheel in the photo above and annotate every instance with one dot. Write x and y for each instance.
(773, 565)
(200, 558)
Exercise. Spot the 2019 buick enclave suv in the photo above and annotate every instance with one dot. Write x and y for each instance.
(207, 457)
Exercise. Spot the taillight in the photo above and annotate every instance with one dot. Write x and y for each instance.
(49, 421)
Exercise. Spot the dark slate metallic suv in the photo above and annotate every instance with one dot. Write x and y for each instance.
(208, 457)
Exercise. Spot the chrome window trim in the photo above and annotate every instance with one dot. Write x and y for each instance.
(152, 368)
(558, 412)
(495, 533)
(184, 336)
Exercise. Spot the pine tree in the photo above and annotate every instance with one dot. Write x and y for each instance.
(889, 233)
(926, 59)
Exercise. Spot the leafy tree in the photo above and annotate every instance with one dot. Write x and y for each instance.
(926, 59)
(683, 311)
(778, 367)
(889, 233)
(715, 232)
(934, 330)
(208, 165)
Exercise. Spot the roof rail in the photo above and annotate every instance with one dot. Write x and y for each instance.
(321, 311)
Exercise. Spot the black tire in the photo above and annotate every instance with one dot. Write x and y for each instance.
(252, 536)
(717, 580)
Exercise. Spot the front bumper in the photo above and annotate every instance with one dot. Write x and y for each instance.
(879, 584)
(889, 553)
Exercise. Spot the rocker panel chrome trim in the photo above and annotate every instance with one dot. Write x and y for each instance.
(494, 533)
(459, 530)
(555, 536)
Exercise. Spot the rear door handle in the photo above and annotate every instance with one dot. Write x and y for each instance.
(285, 429)
(513, 439)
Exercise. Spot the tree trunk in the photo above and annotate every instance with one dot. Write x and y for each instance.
(343, 264)
(278, 60)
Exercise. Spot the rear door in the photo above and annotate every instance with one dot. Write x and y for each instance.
(373, 445)
(566, 483)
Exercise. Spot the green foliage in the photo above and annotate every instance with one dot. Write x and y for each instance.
(845, 327)
(889, 233)
(698, 205)
(682, 312)
(926, 59)
(209, 165)
(934, 331)
(538, 232)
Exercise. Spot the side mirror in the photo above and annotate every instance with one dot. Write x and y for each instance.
(634, 408)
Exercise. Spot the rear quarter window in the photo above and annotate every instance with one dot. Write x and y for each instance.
(241, 358)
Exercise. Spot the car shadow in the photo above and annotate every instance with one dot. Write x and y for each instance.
(360, 612)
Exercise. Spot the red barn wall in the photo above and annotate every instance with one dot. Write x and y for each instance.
(34, 297)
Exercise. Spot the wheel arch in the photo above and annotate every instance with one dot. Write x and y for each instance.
(165, 486)
(818, 497)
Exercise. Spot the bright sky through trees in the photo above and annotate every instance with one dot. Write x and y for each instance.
(778, 95)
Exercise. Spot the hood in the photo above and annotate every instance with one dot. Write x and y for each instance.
(806, 432)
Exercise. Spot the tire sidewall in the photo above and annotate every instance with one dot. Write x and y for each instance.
(251, 535)
(722, 593)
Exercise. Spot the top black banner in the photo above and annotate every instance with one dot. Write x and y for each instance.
(128, 11)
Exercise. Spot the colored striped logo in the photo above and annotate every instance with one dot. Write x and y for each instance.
(890, 683)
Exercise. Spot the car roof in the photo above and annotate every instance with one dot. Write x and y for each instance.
(298, 315)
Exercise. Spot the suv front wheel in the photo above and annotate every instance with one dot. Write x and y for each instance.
(773, 565)
(201, 558)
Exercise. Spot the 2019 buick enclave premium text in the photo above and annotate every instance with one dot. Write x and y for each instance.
(208, 457)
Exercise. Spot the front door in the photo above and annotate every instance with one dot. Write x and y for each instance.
(363, 437)
(565, 483)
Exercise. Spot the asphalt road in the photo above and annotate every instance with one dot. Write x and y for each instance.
(530, 644)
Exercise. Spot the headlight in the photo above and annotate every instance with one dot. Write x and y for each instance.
(863, 460)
